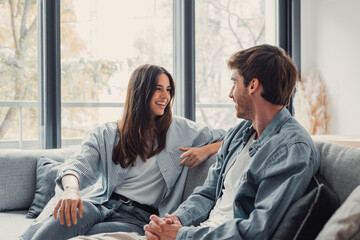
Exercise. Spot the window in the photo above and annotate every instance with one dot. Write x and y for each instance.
(102, 42)
(222, 28)
(18, 74)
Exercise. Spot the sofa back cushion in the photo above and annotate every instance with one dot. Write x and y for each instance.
(340, 166)
(196, 176)
(46, 173)
(18, 175)
(305, 217)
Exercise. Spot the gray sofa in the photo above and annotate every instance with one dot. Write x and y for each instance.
(340, 166)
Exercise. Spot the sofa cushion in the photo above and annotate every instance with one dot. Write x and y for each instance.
(196, 176)
(305, 217)
(340, 166)
(13, 224)
(46, 173)
(345, 223)
(18, 175)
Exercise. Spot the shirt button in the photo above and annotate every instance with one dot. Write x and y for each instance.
(165, 169)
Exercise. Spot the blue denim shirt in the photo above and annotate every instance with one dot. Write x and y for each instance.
(283, 161)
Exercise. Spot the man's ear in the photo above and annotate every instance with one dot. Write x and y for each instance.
(253, 85)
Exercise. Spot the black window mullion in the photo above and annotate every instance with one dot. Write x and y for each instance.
(184, 56)
(49, 74)
(289, 34)
(40, 44)
(189, 58)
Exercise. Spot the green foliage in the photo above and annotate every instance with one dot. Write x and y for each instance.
(18, 78)
(84, 80)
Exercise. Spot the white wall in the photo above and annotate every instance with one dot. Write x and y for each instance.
(330, 45)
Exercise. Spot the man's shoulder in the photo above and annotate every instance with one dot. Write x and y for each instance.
(291, 137)
(292, 132)
(291, 145)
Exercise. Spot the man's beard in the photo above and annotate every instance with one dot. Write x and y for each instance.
(246, 111)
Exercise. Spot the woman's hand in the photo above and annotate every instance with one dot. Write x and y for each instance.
(192, 157)
(70, 203)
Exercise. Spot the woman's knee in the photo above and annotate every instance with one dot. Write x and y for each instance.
(107, 227)
(52, 229)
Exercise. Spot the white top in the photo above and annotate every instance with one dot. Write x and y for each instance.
(223, 210)
(143, 183)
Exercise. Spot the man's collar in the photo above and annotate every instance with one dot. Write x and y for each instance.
(274, 126)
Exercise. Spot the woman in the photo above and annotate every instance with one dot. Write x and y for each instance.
(128, 170)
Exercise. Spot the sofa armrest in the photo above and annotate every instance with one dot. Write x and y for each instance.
(18, 176)
(340, 166)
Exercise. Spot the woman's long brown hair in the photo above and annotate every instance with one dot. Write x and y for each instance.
(139, 132)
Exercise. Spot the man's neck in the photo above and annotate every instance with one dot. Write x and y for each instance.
(264, 113)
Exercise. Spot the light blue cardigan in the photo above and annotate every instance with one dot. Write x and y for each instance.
(98, 175)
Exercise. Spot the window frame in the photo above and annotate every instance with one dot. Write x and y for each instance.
(49, 68)
(49, 74)
(289, 35)
(184, 57)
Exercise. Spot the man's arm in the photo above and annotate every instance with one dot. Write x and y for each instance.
(284, 180)
(196, 208)
(193, 211)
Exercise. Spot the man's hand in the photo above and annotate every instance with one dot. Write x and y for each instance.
(192, 157)
(162, 229)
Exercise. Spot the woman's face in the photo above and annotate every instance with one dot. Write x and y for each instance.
(161, 97)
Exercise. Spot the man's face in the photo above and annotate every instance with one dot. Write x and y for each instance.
(240, 94)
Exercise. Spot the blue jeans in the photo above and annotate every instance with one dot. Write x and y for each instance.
(111, 216)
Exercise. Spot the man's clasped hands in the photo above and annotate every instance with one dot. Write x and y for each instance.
(162, 228)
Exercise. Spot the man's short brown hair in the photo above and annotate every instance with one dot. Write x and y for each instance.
(272, 67)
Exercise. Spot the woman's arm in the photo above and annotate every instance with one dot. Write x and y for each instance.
(69, 202)
(192, 157)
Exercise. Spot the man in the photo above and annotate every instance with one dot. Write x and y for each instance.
(264, 163)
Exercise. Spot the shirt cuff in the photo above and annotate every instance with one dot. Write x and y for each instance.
(185, 233)
(183, 217)
(63, 173)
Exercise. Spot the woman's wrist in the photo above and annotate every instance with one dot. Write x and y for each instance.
(71, 187)
(70, 182)
(212, 148)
